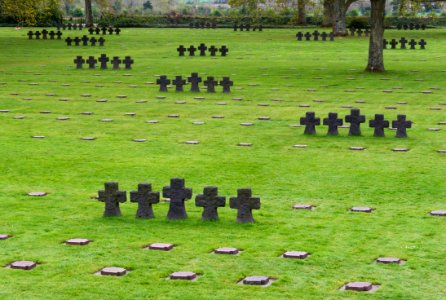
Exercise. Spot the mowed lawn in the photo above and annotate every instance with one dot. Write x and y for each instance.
(268, 68)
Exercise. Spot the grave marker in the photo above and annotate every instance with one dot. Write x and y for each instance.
(191, 50)
(103, 59)
(310, 122)
(401, 125)
(145, 198)
(79, 61)
(163, 83)
(223, 50)
(179, 82)
(202, 49)
(91, 61)
(355, 120)
(379, 124)
(177, 194)
(213, 50)
(181, 50)
(210, 201)
(210, 83)
(226, 83)
(244, 203)
(128, 62)
(194, 80)
(112, 196)
(333, 122)
(116, 62)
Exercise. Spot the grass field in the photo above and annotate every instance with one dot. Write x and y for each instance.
(402, 187)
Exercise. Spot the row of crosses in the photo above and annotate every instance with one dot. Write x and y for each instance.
(202, 48)
(104, 30)
(355, 119)
(316, 35)
(45, 34)
(69, 26)
(177, 194)
(403, 43)
(103, 60)
(85, 39)
(202, 25)
(411, 26)
(247, 27)
(194, 80)
(359, 32)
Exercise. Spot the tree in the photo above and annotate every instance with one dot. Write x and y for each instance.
(88, 13)
(340, 8)
(301, 14)
(24, 11)
(328, 13)
(148, 5)
(376, 54)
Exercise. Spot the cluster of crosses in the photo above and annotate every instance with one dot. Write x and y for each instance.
(103, 60)
(247, 27)
(85, 39)
(202, 25)
(202, 48)
(104, 30)
(315, 36)
(45, 34)
(355, 119)
(411, 26)
(412, 43)
(244, 202)
(194, 80)
(70, 26)
(359, 32)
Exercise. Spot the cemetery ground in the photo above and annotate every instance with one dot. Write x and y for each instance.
(274, 75)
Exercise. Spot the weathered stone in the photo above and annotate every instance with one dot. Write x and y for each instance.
(303, 206)
(438, 213)
(388, 260)
(23, 265)
(357, 148)
(359, 286)
(225, 250)
(183, 276)
(145, 198)
(244, 203)
(4, 236)
(77, 242)
(112, 196)
(113, 271)
(210, 201)
(400, 149)
(177, 193)
(296, 254)
(361, 209)
(256, 280)
(160, 246)
(37, 194)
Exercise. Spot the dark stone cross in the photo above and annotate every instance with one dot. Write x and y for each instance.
(403, 43)
(181, 50)
(411, 26)
(223, 50)
(178, 82)
(77, 41)
(177, 194)
(333, 122)
(79, 61)
(260, 27)
(145, 198)
(37, 34)
(52, 34)
(191, 50)
(385, 43)
(244, 203)
(367, 32)
(101, 41)
(310, 122)
(93, 41)
(332, 36)
(307, 36)
(412, 44)
(110, 31)
(30, 35)
(355, 120)
(417, 26)
(103, 59)
(352, 31)
(45, 34)
(128, 62)
(97, 30)
(104, 30)
(316, 35)
(299, 36)
(210, 83)
(163, 82)
(226, 83)
(202, 49)
(423, 26)
(68, 40)
(360, 32)
(422, 44)
(91, 61)
(74, 26)
(405, 26)
(112, 196)
(194, 79)
(324, 36)
(59, 35)
(393, 44)
(401, 125)
(116, 62)
(399, 26)
(85, 40)
(248, 27)
(64, 26)
(379, 124)
(80, 26)
(211, 202)
(69, 26)
(117, 31)
(91, 30)
(213, 50)
(235, 27)
(241, 27)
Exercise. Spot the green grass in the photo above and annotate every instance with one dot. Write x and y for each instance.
(403, 187)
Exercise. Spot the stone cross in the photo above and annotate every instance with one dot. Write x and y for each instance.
(163, 82)
(74, 26)
(299, 36)
(393, 44)
(202, 49)
(117, 31)
(385, 43)
(93, 41)
(178, 82)
(181, 50)
(76, 40)
(310, 122)
(332, 36)
(194, 79)
(223, 50)
(101, 41)
(68, 40)
(411, 26)
(307, 36)
(235, 27)
(260, 27)
(360, 32)
(110, 31)
(316, 35)
(64, 26)
(379, 124)
(79, 61)
(333, 122)
(177, 194)
(422, 44)
(103, 59)
(145, 198)
(91, 30)
(85, 40)
(211, 202)
(128, 62)
(91, 61)
(401, 125)
(241, 27)
(52, 34)
(112, 196)
(191, 50)
(367, 32)
(37, 34)
(355, 120)
(213, 50)
(210, 83)
(324, 36)
(248, 27)
(244, 203)
(412, 44)
(69, 26)
(30, 35)
(417, 26)
(80, 26)
(104, 30)
(97, 30)
(59, 35)
(45, 34)
(226, 83)
(403, 43)
(352, 31)
(116, 62)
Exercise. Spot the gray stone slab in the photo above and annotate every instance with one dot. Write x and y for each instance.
(77, 242)
(23, 265)
(296, 254)
(183, 276)
(227, 250)
(160, 246)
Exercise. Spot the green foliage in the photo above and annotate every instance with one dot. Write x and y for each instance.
(148, 5)
(77, 12)
(358, 22)
(353, 13)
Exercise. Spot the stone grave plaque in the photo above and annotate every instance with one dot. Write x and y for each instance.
(183, 276)
(296, 254)
(23, 265)
(77, 242)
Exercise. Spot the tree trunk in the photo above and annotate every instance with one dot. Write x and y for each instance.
(88, 13)
(376, 53)
(339, 12)
(301, 15)
(329, 18)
